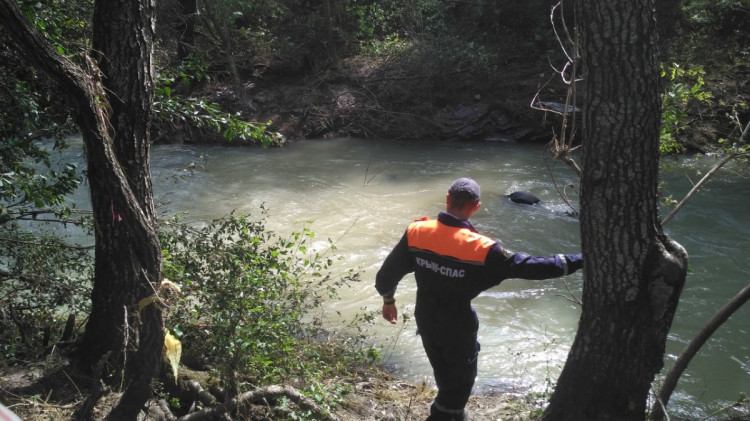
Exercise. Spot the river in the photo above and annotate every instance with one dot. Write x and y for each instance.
(362, 194)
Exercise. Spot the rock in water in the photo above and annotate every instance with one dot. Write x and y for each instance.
(523, 197)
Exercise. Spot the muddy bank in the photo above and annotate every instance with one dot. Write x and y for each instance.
(411, 95)
(400, 98)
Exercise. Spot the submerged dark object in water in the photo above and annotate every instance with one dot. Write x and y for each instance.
(523, 197)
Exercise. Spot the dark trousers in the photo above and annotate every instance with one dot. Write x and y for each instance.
(454, 364)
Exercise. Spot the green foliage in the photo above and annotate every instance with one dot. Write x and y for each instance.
(62, 22)
(706, 22)
(370, 22)
(376, 20)
(40, 276)
(198, 113)
(26, 114)
(741, 150)
(250, 308)
(42, 279)
(31, 107)
(30, 184)
(190, 72)
(33, 125)
(684, 86)
(735, 146)
(248, 297)
(713, 12)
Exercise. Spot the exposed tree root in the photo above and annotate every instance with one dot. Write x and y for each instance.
(262, 394)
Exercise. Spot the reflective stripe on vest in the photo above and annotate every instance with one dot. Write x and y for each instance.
(452, 242)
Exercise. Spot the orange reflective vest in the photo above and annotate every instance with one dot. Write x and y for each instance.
(448, 244)
(452, 263)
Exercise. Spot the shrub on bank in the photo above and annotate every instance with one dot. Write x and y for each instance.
(249, 312)
(246, 310)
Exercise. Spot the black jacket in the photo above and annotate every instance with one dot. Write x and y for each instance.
(453, 264)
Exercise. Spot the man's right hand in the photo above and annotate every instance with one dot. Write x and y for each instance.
(390, 313)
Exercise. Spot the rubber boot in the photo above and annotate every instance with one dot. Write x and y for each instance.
(438, 415)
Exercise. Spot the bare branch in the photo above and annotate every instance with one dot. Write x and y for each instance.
(554, 28)
(703, 181)
(561, 144)
(570, 297)
(40, 244)
(721, 316)
(745, 134)
(737, 154)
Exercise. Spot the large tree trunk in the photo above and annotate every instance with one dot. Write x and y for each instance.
(633, 272)
(112, 106)
(128, 253)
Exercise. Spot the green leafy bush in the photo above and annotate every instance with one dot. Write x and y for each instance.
(684, 86)
(247, 297)
(203, 115)
(30, 184)
(43, 280)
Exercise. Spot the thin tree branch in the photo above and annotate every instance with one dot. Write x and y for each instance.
(737, 154)
(692, 348)
(700, 183)
(745, 134)
(39, 244)
(659, 404)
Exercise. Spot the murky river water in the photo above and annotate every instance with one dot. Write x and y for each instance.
(362, 194)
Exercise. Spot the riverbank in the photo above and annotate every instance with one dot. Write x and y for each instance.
(416, 95)
(43, 390)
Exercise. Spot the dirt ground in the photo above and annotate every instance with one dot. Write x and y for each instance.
(34, 393)
(388, 398)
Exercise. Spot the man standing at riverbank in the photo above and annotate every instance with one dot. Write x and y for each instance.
(452, 265)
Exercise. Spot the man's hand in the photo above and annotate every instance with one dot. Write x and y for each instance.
(390, 312)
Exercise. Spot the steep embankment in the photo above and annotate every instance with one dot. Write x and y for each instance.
(413, 95)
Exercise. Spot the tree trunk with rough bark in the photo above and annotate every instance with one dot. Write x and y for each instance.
(633, 272)
(112, 100)
(128, 253)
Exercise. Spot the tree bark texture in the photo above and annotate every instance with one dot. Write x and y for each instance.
(633, 272)
(128, 252)
(111, 100)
